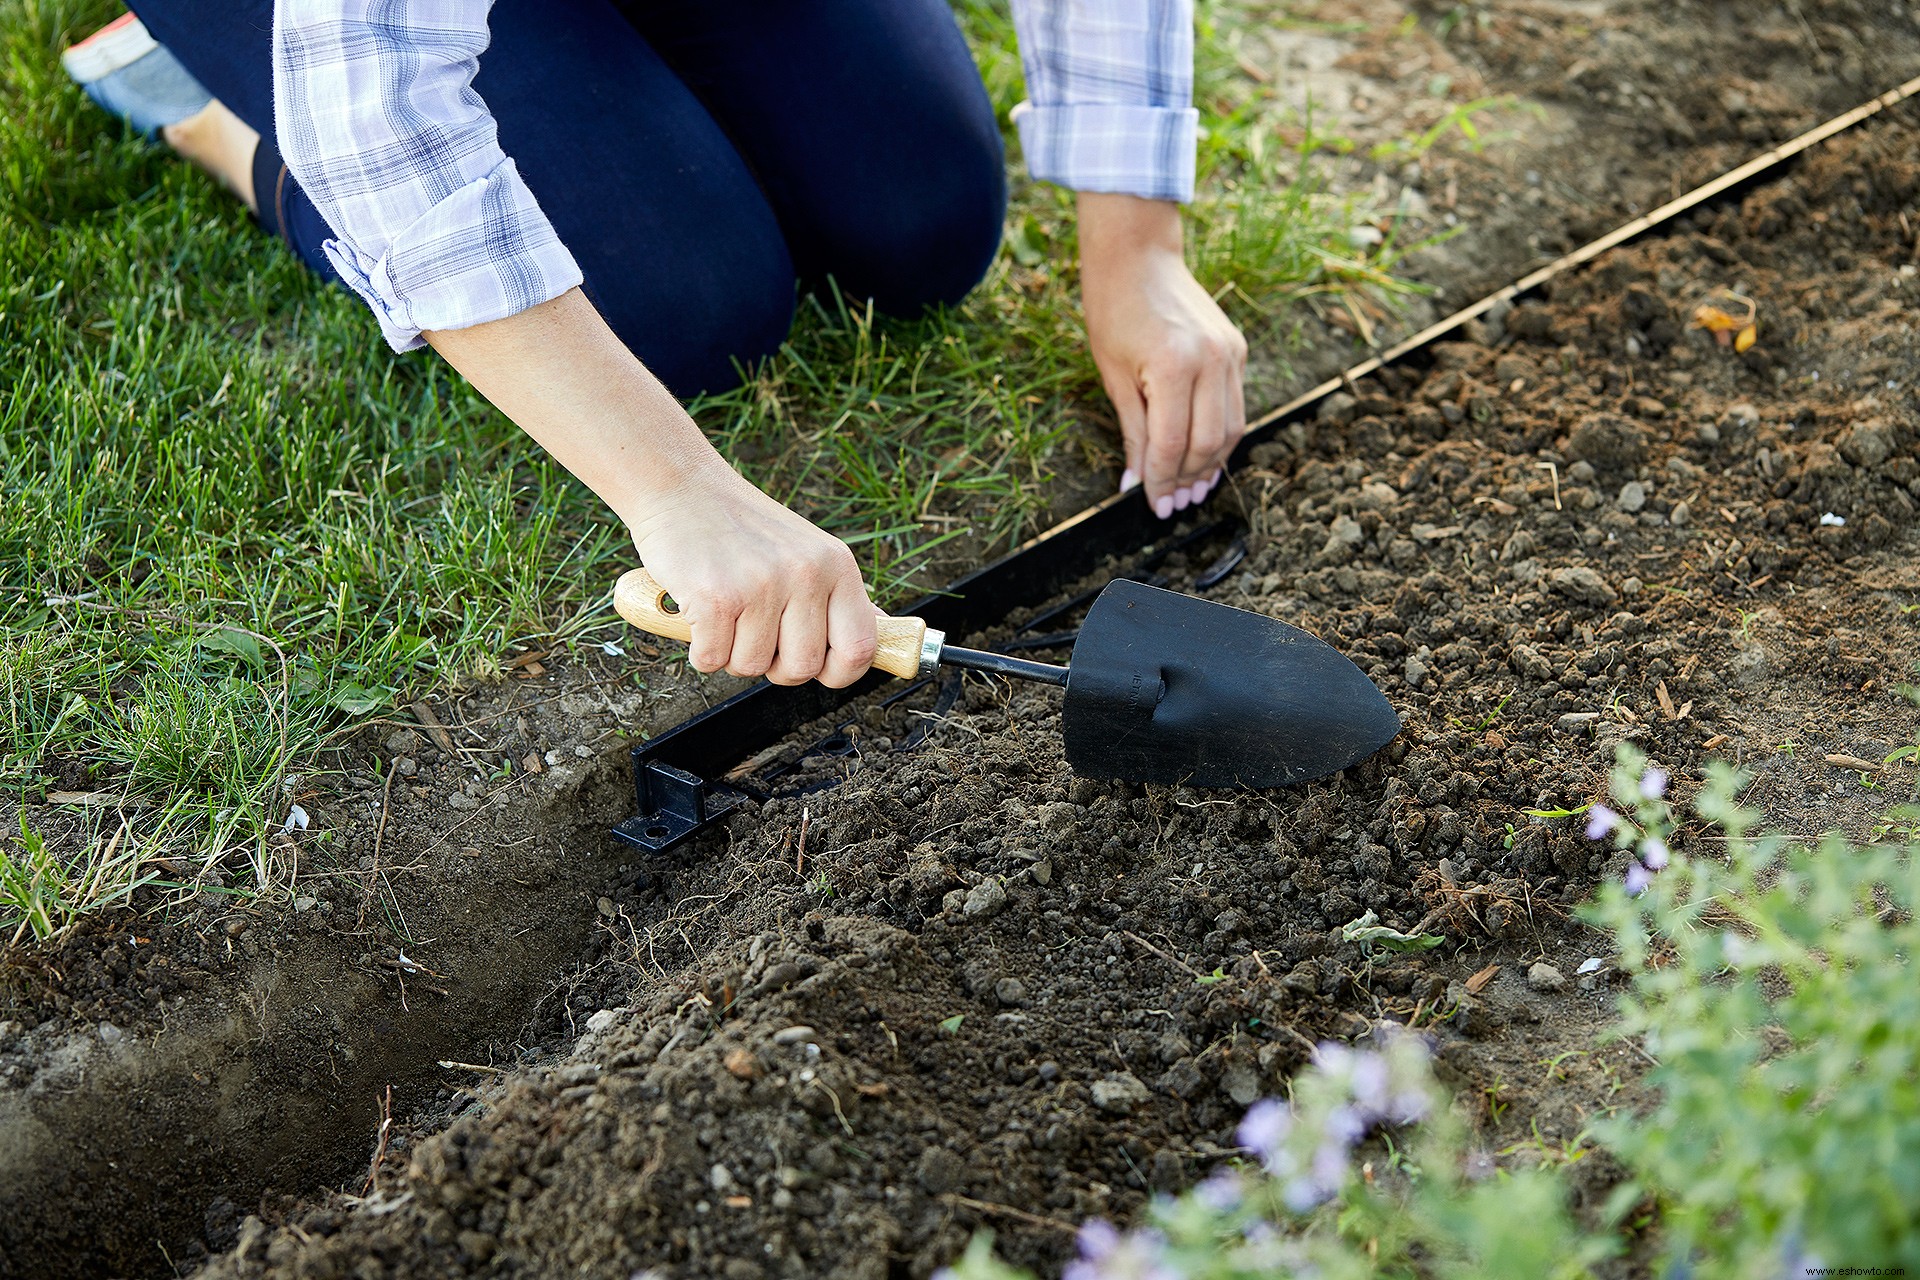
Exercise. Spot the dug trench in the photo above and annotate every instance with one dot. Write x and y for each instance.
(159, 1070)
(964, 988)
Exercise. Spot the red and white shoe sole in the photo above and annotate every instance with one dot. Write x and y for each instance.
(120, 43)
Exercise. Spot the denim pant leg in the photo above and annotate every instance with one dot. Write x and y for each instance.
(868, 127)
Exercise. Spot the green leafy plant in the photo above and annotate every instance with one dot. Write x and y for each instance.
(1774, 986)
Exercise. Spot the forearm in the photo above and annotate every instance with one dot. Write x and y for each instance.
(560, 373)
(1115, 227)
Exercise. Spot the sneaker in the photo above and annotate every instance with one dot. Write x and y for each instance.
(124, 69)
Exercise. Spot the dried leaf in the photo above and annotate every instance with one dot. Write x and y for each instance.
(1478, 981)
(1369, 932)
(1713, 319)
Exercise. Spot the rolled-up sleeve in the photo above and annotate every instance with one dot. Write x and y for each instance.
(1109, 95)
(376, 116)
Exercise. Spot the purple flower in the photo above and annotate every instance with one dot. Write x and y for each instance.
(1654, 853)
(1346, 1125)
(1370, 1083)
(1407, 1106)
(1332, 1058)
(1222, 1191)
(1638, 878)
(1653, 783)
(1600, 822)
(1139, 1255)
(1301, 1195)
(1265, 1127)
(1330, 1164)
(1098, 1239)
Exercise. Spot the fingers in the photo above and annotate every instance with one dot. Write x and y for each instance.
(711, 648)
(1207, 432)
(1169, 414)
(1131, 408)
(803, 641)
(809, 621)
(851, 640)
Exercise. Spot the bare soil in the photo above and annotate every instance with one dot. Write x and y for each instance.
(1586, 523)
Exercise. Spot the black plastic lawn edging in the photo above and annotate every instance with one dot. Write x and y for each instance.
(679, 777)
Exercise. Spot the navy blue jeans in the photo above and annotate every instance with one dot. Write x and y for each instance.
(699, 159)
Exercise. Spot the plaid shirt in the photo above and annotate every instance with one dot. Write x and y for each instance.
(376, 117)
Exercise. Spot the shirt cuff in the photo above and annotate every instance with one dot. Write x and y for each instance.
(1129, 150)
(484, 253)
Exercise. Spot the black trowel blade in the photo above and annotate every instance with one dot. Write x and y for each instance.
(1164, 687)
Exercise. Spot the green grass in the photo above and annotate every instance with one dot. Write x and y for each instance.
(231, 521)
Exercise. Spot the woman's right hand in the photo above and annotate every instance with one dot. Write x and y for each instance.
(766, 592)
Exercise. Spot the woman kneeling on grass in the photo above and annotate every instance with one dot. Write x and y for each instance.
(693, 161)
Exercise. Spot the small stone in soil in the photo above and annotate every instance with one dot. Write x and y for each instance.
(941, 1171)
(1120, 1092)
(1242, 1084)
(1583, 584)
(793, 1035)
(1633, 497)
(1011, 992)
(985, 899)
(403, 742)
(1542, 976)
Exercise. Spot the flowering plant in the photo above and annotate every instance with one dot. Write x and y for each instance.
(1302, 1203)
(1772, 983)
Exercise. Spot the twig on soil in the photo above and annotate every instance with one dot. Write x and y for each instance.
(379, 835)
(1170, 959)
(423, 712)
(1554, 471)
(380, 1147)
(1008, 1211)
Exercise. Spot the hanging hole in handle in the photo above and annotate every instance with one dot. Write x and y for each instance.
(667, 604)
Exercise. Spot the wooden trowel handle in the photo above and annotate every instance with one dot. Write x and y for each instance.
(645, 603)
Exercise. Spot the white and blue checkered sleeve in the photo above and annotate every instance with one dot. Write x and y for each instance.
(375, 115)
(1109, 95)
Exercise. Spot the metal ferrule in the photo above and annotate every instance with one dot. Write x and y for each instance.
(930, 646)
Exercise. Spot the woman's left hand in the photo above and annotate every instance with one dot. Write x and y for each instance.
(1170, 359)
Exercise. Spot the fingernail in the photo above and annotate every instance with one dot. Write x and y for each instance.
(1214, 479)
(1128, 480)
(1163, 506)
(1182, 498)
(1201, 490)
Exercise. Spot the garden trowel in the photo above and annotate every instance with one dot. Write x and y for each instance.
(1162, 687)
